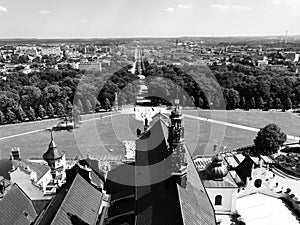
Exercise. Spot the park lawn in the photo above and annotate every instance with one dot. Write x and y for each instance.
(201, 137)
(18, 128)
(98, 136)
(95, 137)
(288, 122)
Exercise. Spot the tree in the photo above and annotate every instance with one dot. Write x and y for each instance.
(269, 139)
(243, 103)
(260, 103)
(2, 118)
(50, 111)
(69, 107)
(88, 106)
(270, 103)
(10, 116)
(200, 102)
(252, 103)
(21, 116)
(287, 104)
(97, 105)
(76, 115)
(107, 104)
(41, 112)
(277, 103)
(60, 112)
(31, 114)
(80, 106)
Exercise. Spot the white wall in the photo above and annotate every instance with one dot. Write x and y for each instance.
(229, 196)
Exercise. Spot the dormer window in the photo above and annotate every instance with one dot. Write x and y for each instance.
(218, 200)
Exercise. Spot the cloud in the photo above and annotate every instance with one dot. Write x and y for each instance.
(3, 9)
(294, 3)
(170, 9)
(228, 8)
(44, 12)
(181, 6)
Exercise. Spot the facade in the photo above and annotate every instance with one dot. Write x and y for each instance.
(56, 51)
(221, 187)
(90, 66)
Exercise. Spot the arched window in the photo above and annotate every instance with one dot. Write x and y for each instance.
(218, 200)
(257, 183)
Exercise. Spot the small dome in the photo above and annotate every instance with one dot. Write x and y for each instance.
(217, 170)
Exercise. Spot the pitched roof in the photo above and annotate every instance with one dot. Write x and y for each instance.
(53, 152)
(80, 202)
(5, 167)
(40, 168)
(196, 207)
(227, 182)
(244, 169)
(16, 208)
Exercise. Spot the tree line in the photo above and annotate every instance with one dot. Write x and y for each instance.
(252, 88)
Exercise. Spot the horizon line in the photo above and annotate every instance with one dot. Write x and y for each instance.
(149, 37)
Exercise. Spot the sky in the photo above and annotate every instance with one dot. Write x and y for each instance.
(147, 18)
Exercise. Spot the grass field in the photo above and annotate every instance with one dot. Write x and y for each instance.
(288, 122)
(94, 137)
(101, 133)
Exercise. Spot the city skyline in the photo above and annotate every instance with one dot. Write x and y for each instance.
(170, 18)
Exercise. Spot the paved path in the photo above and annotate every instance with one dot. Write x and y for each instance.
(290, 137)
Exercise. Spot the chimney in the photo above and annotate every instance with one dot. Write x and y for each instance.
(215, 147)
(138, 132)
(15, 154)
(146, 126)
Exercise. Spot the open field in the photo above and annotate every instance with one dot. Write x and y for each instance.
(288, 122)
(101, 133)
(96, 136)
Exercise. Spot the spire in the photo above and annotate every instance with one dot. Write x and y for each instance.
(53, 153)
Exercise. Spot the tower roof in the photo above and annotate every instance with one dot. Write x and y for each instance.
(53, 152)
(217, 169)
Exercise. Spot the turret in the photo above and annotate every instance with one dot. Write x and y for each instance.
(177, 150)
(56, 159)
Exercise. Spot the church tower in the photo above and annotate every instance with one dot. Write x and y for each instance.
(177, 149)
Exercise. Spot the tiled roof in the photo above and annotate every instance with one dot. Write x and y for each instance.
(201, 163)
(227, 182)
(80, 202)
(40, 168)
(196, 207)
(16, 208)
(5, 167)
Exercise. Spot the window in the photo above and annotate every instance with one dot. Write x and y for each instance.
(218, 200)
(258, 183)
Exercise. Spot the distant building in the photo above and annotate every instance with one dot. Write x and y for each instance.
(90, 66)
(56, 51)
(278, 68)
